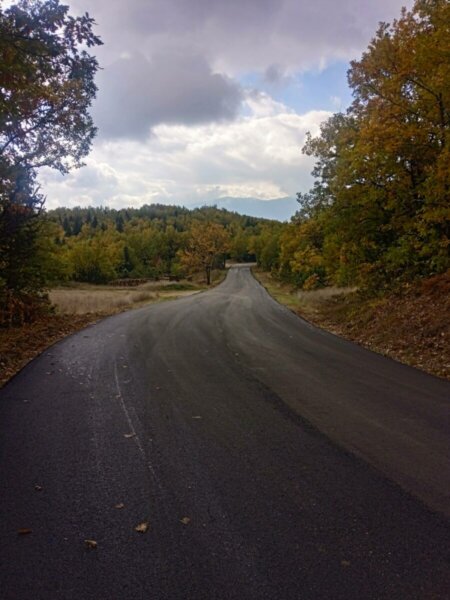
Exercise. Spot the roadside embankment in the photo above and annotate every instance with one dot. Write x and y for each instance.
(411, 325)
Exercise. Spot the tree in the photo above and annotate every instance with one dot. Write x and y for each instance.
(97, 259)
(206, 243)
(47, 85)
(265, 245)
(382, 195)
(402, 101)
(46, 88)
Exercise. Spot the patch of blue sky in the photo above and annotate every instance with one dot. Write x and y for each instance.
(325, 89)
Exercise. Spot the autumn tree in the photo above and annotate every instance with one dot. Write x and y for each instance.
(382, 193)
(402, 101)
(46, 88)
(207, 242)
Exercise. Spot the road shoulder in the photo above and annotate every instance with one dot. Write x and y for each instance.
(411, 327)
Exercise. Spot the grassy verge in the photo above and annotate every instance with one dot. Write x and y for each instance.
(411, 326)
(79, 305)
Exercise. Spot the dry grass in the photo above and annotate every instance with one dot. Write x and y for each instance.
(314, 297)
(84, 301)
(80, 299)
(307, 303)
(158, 286)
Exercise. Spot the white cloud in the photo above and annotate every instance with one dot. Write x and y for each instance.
(261, 104)
(255, 156)
(177, 126)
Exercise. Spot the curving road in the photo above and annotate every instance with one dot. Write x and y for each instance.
(271, 460)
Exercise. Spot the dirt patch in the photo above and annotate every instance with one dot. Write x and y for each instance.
(19, 345)
(411, 325)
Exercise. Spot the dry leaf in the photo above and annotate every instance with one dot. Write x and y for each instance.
(142, 527)
(128, 435)
(24, 531)
(91, 544)
(120, 505)
(185, 520)
(345, 563)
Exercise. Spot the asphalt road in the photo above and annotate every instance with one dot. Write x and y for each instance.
(271, 460)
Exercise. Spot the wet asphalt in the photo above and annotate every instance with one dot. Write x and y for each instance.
(270, 459)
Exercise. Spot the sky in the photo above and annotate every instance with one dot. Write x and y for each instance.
(200, 99)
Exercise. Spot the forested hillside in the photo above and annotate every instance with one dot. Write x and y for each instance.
(97, 245)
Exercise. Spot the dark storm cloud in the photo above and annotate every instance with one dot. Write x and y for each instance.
(136, 94)
(243, 34)
(185, 52)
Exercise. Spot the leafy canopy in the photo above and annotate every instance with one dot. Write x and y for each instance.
(46, 88)
(381, 200)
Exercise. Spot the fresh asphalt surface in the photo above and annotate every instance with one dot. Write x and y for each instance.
(309, 468)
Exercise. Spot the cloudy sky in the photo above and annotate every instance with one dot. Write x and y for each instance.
(200, 99)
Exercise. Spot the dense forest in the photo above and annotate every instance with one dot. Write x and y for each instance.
(377, 215)
(97, 245)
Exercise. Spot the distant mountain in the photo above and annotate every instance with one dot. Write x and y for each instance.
(281, 209)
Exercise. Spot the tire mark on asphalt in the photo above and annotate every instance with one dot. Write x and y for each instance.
(133, 431)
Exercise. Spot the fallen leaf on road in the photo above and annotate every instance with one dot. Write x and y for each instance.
(128, 435)
(90, 544)
(120, 505)
(185, 520)
(24, 531)
(345, 563)
(142, 527)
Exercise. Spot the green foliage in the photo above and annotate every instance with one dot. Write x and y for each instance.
(98, 258)
(154, 241)
(265, 245)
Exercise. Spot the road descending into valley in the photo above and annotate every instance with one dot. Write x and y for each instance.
(270, 459)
